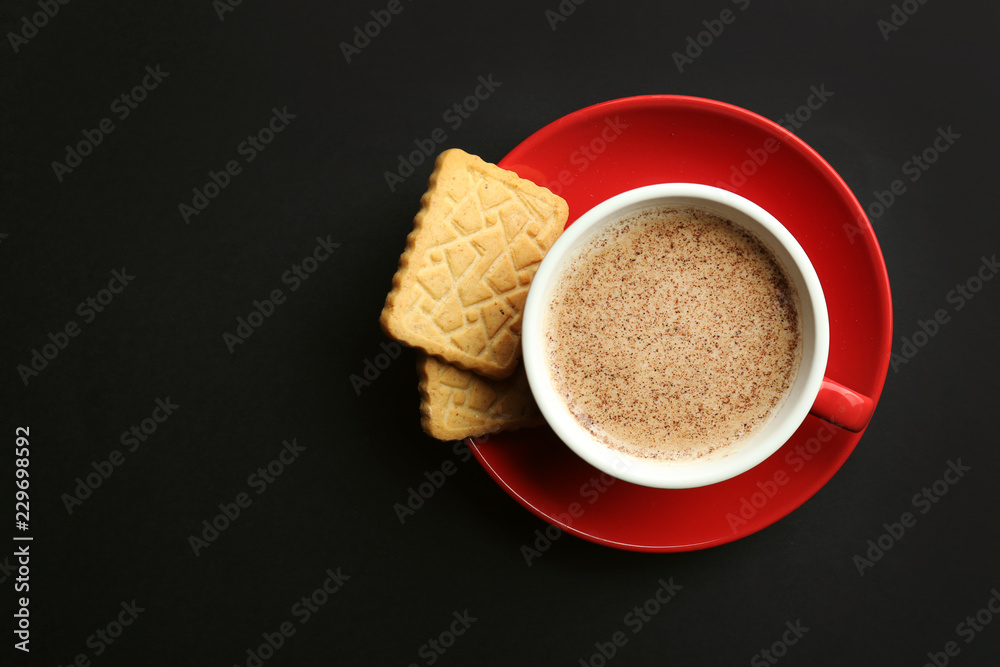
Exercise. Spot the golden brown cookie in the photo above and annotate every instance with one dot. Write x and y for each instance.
(462, 281)
(456, 403)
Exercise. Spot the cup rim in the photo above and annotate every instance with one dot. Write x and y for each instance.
(655, 473)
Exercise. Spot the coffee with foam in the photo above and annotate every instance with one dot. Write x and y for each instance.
(673, 334)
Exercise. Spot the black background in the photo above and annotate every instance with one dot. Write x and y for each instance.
(323, 176)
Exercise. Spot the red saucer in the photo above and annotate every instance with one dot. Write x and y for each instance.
(603, 150)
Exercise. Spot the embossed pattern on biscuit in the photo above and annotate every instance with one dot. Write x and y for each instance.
(457, 404)
(463, 279)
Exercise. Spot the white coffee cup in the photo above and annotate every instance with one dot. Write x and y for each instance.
(804, 395)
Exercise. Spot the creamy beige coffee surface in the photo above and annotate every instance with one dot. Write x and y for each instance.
(673, 334)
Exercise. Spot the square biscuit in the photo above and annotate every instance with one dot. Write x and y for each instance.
(463, 278)
(457, 404)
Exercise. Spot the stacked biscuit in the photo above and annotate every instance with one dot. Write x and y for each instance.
(460, 289)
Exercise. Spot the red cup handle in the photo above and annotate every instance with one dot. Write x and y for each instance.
(842, 407)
